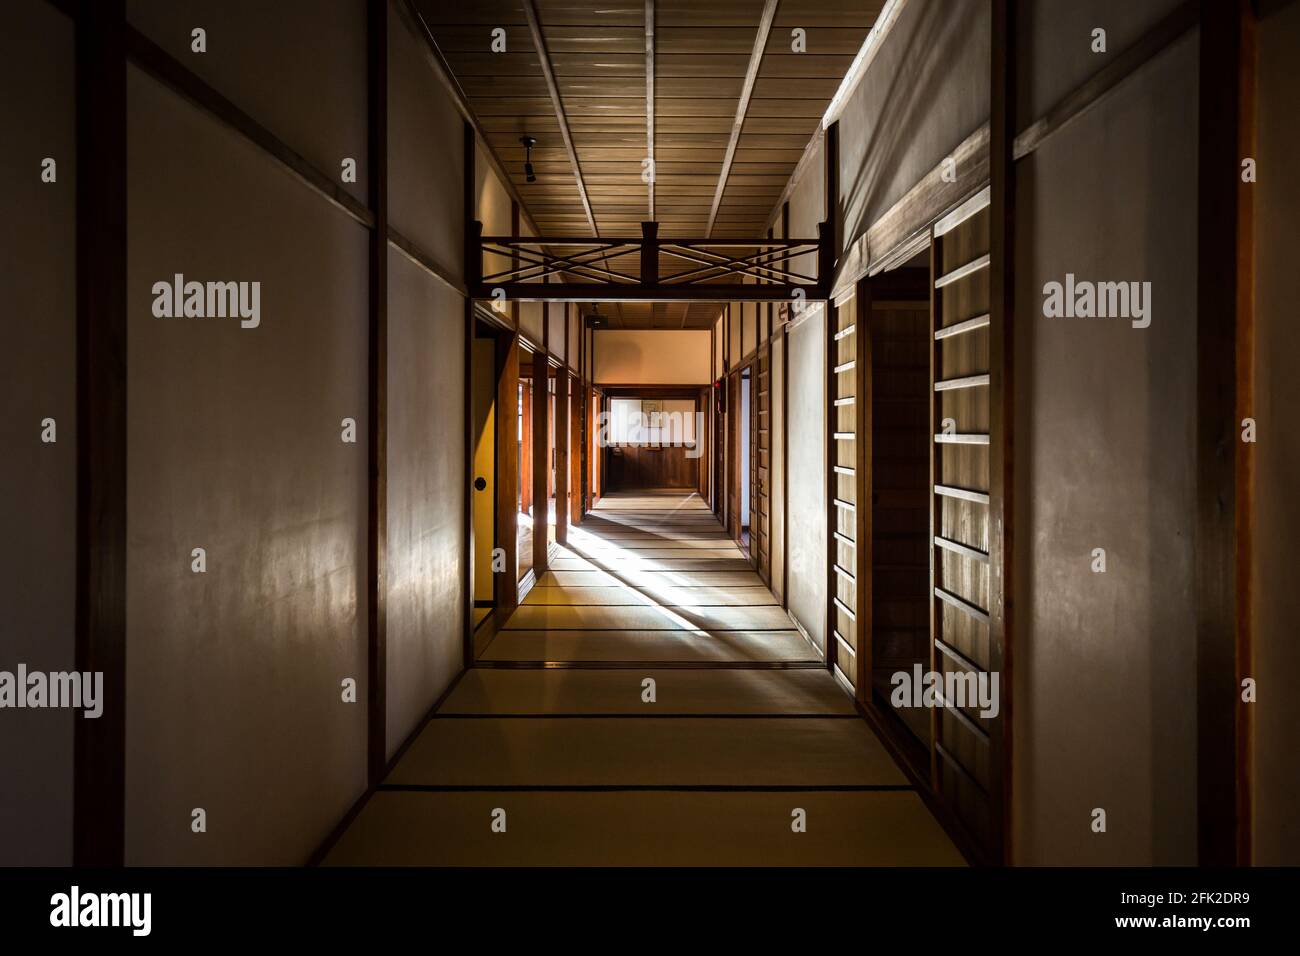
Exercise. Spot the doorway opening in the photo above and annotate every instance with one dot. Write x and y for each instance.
(652, 439)
(524, 474)
(895, 316)
(745, 458)
(483, 439)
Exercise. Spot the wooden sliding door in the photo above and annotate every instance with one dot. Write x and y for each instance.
(963, 760)
(761, 464)
(846, 543)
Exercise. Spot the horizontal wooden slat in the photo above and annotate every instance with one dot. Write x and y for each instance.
(956, 547)
(962, 271)
(958, 656)
(960, 328)
(961, 604)
(968, 381)
(965, 494)
(969, 438)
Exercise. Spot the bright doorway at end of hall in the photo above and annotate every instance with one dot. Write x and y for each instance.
(652, 439)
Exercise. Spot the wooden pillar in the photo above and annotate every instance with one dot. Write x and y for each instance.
(541, 458)
(99, 746)
(561, 456)
(506, 582)
(377, 411)
(473, 262)
(577, 449)
(1224, 325)
(1002, 312)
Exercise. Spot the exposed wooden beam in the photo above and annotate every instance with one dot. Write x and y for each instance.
(650, 99)
(1117, 69)
(177, 77)
(99, 746)
(742, 107)
(544, 57)
(1223, 322)
(377, 405)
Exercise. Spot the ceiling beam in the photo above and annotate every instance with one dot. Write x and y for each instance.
(650, 99)
(544, 57)
(742, 108)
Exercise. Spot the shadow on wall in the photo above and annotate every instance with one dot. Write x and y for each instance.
(933, 37)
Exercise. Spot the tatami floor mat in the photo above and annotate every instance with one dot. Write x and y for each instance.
(670, 596)
(497, 691)
(645, 829)
(545, 617)
(650, 751)
(650, 579)
(553, 729)
(661, 646)
(626, 562)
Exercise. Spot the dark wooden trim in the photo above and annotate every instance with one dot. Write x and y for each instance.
(377, 405)
(169, 71)
(1119, 67)
(1245, 457)
(1002, 216)
(421, 258)
(99, 746)
(660, 391)
(636, 292)
(1224, 248)
(467, 574)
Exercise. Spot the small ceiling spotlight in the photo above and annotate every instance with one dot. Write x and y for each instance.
(529, 143)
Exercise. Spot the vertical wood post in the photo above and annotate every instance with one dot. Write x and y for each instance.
(99, 746)
(506, 582)
(377, 411)
(541, 458)
(1223, 324)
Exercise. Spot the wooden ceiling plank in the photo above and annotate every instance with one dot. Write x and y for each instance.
(539, 42)
(742, 107)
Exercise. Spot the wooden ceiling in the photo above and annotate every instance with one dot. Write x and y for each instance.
(635, 79)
